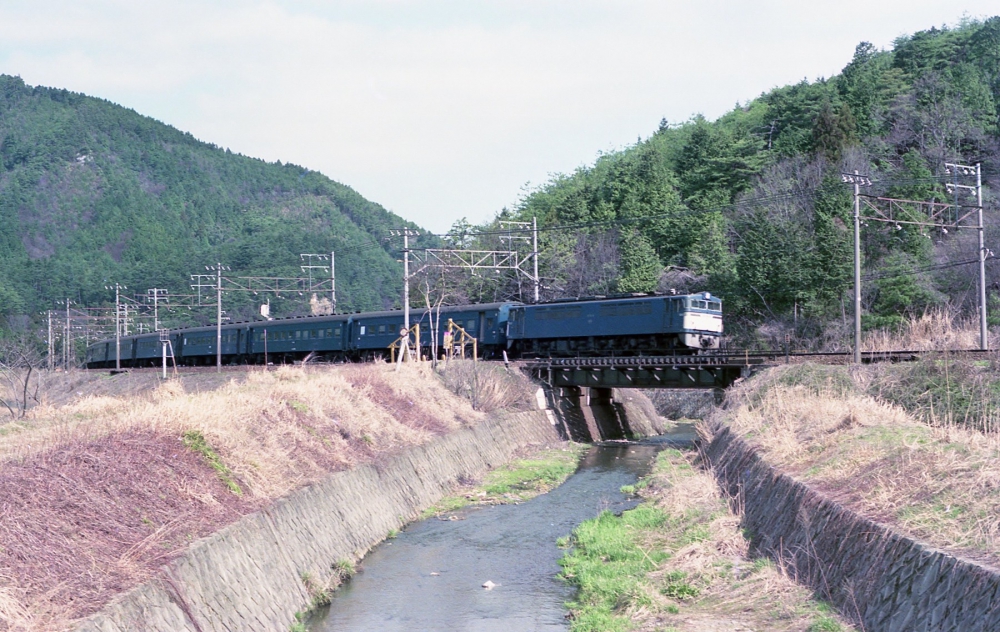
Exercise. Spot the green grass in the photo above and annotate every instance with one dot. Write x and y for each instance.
(300, 624)
(623, 566)
(517, 481)
(608, 566)
(677, 587)
(196, 441)
(529, 475)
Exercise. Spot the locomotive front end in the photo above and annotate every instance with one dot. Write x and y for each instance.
(702, 322)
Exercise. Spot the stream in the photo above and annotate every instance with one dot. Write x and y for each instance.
(431, 576)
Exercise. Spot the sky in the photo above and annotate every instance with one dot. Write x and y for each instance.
(442, 109)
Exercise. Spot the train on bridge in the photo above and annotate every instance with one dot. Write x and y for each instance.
(631, 325)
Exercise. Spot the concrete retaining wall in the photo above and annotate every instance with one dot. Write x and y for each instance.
(249, 576)
(597, 414)
(878, 577)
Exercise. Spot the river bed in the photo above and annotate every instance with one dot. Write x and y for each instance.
(431, 576)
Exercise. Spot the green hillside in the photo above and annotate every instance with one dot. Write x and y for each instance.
(751, 207)
(91, 193)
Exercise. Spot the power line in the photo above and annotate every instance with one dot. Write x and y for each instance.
(921, 270)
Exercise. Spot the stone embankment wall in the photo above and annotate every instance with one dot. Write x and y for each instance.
(250, 575)
(883, 580)
(683, 403)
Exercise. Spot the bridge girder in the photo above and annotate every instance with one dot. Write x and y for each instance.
(638, 372)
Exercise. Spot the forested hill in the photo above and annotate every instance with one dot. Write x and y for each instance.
(751, 207)
(92, 193)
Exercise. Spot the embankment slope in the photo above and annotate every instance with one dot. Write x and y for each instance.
(883, 513)
(101, 491)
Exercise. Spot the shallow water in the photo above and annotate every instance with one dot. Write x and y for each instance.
(430, 577)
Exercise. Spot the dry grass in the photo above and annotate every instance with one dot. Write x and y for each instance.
(488, 386)
(98, 492)
(707, 581)
(938, 483)
(935, 330)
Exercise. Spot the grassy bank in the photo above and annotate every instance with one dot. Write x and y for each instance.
(103, 486)
(914, 445)
(679, 562)
(520, 480)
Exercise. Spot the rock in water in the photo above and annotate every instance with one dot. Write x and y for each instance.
(489, 585)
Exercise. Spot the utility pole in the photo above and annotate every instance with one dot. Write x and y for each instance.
(857, 181)
(68, 342)
(218, 318)
(534, 252)
(155, 294)
(857, 271)
(406, 233)
(984, 340)
(218, 268)
(969, 170)
(117, 287)
(199, 280)
(522, 227)
(51, 359)
(309, 267)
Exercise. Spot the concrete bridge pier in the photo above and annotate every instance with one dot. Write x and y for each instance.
(588, 414)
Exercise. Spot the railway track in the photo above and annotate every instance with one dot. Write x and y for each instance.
(846, 357)
(728, 357)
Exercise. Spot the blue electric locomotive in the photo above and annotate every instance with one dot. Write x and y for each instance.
(634, 325)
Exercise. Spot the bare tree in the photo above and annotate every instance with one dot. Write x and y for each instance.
(435, 292)
(19, 361)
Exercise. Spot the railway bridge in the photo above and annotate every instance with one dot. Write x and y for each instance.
(584, 393)
(715, 371)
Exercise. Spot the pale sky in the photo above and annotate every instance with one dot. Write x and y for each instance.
(441, 109)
